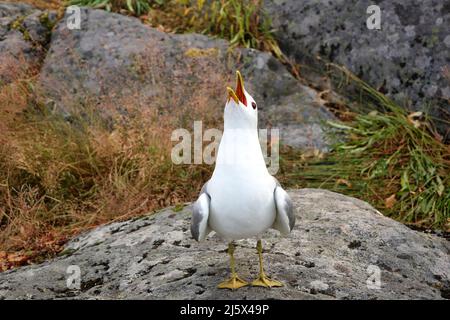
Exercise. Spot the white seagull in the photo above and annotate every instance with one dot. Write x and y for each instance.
(241, 200)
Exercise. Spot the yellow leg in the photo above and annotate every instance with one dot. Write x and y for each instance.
(234, 282)
(263, 280)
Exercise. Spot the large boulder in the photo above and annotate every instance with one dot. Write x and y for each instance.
(118, 59)
(408, 58)
(340, 248)
(24, 36)
(8, 9)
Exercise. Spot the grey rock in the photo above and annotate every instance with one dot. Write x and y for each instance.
(334, 252)
(23, 46)
(114, 56)
(8, 9)
(406, 59)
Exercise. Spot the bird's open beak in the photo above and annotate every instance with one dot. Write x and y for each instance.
(232, 95)
(239, 94)
(240, 88)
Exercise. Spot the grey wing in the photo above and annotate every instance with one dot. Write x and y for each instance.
(199, 222)
(285, 219)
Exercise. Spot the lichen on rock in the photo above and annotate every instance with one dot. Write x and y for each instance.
(337, 246)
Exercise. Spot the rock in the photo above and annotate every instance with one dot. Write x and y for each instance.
(336, 251)
(14, 9)
(24, 36)
(408, 58)
(118, 59)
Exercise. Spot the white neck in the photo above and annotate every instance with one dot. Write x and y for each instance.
(239, 149)
(237, 117)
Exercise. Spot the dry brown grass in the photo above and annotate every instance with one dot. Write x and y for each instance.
(42, 4)
(58, 178)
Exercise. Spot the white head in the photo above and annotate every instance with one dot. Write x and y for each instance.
(241, 110)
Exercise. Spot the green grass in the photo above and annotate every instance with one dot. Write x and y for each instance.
(388, 158)
(241, 22)
(134, 7)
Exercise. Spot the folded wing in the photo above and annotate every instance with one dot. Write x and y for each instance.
(200, 214)
(285, 219)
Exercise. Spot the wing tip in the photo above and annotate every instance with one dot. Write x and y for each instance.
(194, 233)
(199, 213)
(287, 207)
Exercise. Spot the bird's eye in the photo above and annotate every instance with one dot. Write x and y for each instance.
(254, 105)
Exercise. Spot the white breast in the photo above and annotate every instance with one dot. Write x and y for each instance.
(241, 189)
(241, 206)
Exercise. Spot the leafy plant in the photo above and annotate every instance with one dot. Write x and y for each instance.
(135, 7)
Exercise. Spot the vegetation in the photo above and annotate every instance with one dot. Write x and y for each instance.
(389, 158)
(59, 177)
(135, 7)
(242, 22)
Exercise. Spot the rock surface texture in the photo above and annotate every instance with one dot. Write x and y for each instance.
(339, 245)
(24, 35)
(113, 57)
(408, 58)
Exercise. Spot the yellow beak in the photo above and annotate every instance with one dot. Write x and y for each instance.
(239, 94)
(232, 95)
(240, 89)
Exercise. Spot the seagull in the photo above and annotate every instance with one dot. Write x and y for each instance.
(241, 199)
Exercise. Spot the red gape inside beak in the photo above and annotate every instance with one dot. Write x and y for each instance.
(240, 89)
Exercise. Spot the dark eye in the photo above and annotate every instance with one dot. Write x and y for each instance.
(254, 105)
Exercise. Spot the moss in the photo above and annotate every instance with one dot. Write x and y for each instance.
(19, 26)
(67, 252)
(17, 23)
(131, 7)
(197, 52)
(46, 21)
(178, 207)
